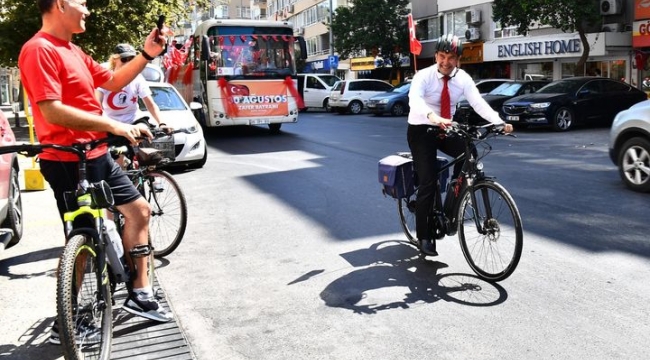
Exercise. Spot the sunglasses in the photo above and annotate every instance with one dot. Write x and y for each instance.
(126, 59)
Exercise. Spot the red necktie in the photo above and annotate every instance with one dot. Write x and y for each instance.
(445, 99)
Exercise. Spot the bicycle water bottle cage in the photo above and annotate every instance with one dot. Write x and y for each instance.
(101, 195)
(139, 251)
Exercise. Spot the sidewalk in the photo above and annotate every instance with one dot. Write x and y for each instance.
(28, 295)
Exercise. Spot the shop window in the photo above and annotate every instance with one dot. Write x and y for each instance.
(536, 71)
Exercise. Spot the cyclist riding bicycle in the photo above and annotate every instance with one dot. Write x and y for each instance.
(60, 80)
(432, 98)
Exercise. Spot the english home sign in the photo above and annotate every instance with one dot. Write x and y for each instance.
(541, 47)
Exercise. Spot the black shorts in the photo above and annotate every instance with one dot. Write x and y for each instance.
(64, 176)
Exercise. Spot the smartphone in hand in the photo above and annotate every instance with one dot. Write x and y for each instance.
(159, 24)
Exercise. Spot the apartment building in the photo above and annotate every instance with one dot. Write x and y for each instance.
(617, 45)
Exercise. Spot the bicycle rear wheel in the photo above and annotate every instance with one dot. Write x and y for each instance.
(493, 254)
(168, 211)
(83, 302)
(406, 211)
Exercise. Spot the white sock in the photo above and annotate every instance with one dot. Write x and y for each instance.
(143, 293)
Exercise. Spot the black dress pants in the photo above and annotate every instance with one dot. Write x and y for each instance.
(424, 142)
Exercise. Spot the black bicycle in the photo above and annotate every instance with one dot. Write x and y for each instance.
(168, 220)
(480, 209)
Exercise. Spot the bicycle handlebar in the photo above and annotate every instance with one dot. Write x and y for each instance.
(78, 149)
(477, 132)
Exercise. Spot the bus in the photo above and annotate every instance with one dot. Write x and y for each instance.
(242, 72)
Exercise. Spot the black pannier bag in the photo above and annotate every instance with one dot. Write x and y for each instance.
(397, 175)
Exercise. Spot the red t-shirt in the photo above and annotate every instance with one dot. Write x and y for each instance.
(55, 69)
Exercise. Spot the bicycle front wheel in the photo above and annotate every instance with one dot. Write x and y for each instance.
(168, 211)
(490, 231)
(406, 211)
(83, 300)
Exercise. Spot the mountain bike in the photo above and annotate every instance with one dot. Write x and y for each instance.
(168, 220)
(92, 263)
(475, 206)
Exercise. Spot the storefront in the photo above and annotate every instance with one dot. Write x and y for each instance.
(555, 56)
(641, 45)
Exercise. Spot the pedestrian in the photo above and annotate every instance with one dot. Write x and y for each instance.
(123, 105)
(60, 80)
(432, 98)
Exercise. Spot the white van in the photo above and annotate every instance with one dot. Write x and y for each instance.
(315, 89)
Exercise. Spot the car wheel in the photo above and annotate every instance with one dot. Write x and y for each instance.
(326, 105)
(398, 109)
(563, 119)
(14, 219)
(355, 107)
(634, 164)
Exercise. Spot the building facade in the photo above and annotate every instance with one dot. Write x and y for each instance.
(494, 52)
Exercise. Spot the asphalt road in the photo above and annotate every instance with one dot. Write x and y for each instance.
(292, 252)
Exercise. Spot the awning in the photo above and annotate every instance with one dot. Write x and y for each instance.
(364, 63)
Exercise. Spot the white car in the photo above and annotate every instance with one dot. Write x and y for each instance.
(629, 146)
(352, 95)
(190, 149)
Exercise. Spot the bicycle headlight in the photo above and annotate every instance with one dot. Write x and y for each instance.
(479, 165)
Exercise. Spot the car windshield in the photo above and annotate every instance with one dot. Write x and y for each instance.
(506, 89)
(401, 88)
(560, 87)
(166, 98)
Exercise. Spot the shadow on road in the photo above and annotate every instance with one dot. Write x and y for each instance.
(35, 344)
(404, 277)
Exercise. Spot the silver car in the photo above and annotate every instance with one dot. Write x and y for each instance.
(629, 146)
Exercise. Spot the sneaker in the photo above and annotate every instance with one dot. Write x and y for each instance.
(85, 333)
(148, 308)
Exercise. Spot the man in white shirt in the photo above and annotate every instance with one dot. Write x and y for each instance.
(431, 112)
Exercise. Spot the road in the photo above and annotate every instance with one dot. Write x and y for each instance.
(292, 252)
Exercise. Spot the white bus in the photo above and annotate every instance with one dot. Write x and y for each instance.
(243, 72)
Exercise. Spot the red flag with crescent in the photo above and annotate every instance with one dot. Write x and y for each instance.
(416, 47)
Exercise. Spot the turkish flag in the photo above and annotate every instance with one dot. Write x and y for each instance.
(416, 47)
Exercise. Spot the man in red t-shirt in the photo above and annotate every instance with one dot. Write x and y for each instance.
(60, 80)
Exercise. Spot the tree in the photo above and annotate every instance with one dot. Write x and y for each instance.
(111, 22)
(568, 16)
(378, 27)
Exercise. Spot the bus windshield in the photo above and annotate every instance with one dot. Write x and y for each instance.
(251, 52)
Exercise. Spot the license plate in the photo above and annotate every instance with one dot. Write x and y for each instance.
(259, 121)
(512, 118)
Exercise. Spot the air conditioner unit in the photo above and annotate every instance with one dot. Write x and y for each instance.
(610, 7)
(472, 16)
(301, 31)
(614, 27)
(291, 9)
(473, 34)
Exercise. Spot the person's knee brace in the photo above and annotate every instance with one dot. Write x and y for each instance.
(139, 251)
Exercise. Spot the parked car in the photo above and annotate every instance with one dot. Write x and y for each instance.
(507, 90)
(629, 146)
(486, 85)
(11, 205)
(352, 95)
(568, 102)
(394, 101)
(190, 149)
(315, 89)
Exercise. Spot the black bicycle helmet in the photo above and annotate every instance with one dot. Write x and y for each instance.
(450, 43)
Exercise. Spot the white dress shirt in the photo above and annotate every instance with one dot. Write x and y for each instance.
(426, 87)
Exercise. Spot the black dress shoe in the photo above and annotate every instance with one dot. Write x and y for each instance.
(428, 247)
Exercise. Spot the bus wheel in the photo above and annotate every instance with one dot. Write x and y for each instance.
(275, 128)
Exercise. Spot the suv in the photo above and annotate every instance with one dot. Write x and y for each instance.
(629, 146)
(353, 95)
(315, 89)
